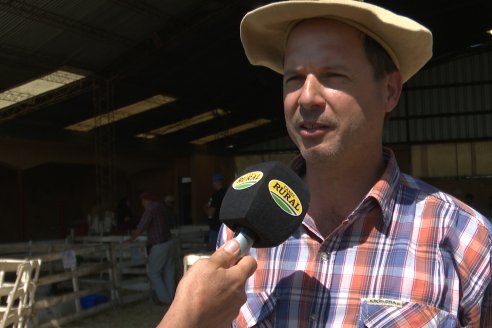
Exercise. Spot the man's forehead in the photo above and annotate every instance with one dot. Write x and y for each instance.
(320, 34)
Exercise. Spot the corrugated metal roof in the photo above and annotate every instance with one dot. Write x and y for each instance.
(191, 50)
(91, 33)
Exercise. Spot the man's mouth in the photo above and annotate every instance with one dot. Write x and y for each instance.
(313, 129)
(310, 126)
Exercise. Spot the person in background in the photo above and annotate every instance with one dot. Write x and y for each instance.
(212, 209)
(155, 222)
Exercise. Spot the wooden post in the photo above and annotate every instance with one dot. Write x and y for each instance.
(20, 196)
(112, 272)
(75, 284)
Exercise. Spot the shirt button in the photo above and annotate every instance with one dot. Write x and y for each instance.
(313, 316)
(324, 256)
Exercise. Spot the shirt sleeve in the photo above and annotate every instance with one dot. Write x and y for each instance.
(470, 242)
(486, 317)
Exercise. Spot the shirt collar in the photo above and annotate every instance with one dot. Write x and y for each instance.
(383, 191)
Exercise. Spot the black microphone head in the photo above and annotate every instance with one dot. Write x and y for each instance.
(268, 199)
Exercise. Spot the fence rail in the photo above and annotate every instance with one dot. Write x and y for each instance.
(84, 277)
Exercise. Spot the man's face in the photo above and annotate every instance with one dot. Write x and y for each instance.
(333, 106)
(145, 203)
(216, 184)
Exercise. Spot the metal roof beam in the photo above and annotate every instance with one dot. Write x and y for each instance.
(146, 9)
(31, 12)
(47, 99)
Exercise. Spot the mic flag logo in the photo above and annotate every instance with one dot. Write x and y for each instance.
(247, 180)
(285, 197)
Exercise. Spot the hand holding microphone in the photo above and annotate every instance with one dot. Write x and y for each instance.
(212, 291)
(264, 207)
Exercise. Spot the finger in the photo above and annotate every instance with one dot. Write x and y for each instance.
(226, 255)
(244, 268)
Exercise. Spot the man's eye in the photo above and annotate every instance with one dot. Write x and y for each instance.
(294, 78)
(333, 75)
(329, 79)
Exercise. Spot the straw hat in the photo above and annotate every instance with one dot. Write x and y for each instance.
(264, 31)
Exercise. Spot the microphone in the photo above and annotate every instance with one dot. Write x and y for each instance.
(265, 205)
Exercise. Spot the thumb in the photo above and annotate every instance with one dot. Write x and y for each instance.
(244, 268)
(226, 255)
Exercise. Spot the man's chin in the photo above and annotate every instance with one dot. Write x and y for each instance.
(318, 153)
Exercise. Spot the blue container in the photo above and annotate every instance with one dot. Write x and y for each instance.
(90, 301)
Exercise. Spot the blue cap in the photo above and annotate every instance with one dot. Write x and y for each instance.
(217, 177)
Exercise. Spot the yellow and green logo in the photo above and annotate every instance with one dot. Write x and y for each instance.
(285, 197)
(247, 180)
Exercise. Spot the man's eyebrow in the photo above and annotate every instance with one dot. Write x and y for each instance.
(322, 69)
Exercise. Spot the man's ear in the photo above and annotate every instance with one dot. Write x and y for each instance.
(393, 90)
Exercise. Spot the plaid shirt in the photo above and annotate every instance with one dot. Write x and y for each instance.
(408, 256)
(156, 221)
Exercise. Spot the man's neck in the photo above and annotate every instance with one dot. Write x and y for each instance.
(337, 187)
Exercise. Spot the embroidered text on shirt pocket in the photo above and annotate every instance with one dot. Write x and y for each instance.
(413, 315)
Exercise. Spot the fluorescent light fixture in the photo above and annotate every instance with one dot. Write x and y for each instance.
(121, 113)
(170, 128)
(231, 131)
(146, 136)
(37, 87)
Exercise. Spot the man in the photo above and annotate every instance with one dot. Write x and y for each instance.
(160, 262)
(377, 248)
(212, 209)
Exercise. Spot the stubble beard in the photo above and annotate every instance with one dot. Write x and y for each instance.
(318, 153)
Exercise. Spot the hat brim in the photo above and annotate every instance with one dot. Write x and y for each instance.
(264, 31)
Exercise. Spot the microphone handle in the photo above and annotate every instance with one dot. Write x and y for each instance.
(245, 238)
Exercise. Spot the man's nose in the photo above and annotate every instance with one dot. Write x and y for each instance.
(312, 93)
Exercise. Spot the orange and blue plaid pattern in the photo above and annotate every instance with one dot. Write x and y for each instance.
(408, 256)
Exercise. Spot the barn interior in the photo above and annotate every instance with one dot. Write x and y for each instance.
(101, 100)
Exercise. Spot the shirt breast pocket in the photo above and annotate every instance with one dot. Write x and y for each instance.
(413, 315)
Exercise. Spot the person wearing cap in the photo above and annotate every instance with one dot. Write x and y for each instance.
(378, 248)
(212, 209)
(155, 222)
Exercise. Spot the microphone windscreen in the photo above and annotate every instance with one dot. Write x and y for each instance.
(268, 199)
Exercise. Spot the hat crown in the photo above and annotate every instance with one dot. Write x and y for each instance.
(265, 30)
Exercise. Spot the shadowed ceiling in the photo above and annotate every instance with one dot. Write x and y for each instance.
(186, 49)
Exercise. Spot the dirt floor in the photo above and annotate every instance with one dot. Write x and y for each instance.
(143, 314)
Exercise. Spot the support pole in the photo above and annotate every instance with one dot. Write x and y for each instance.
(20, 199)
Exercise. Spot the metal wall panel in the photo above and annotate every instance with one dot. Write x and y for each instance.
(452, 159)
(451, 101)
